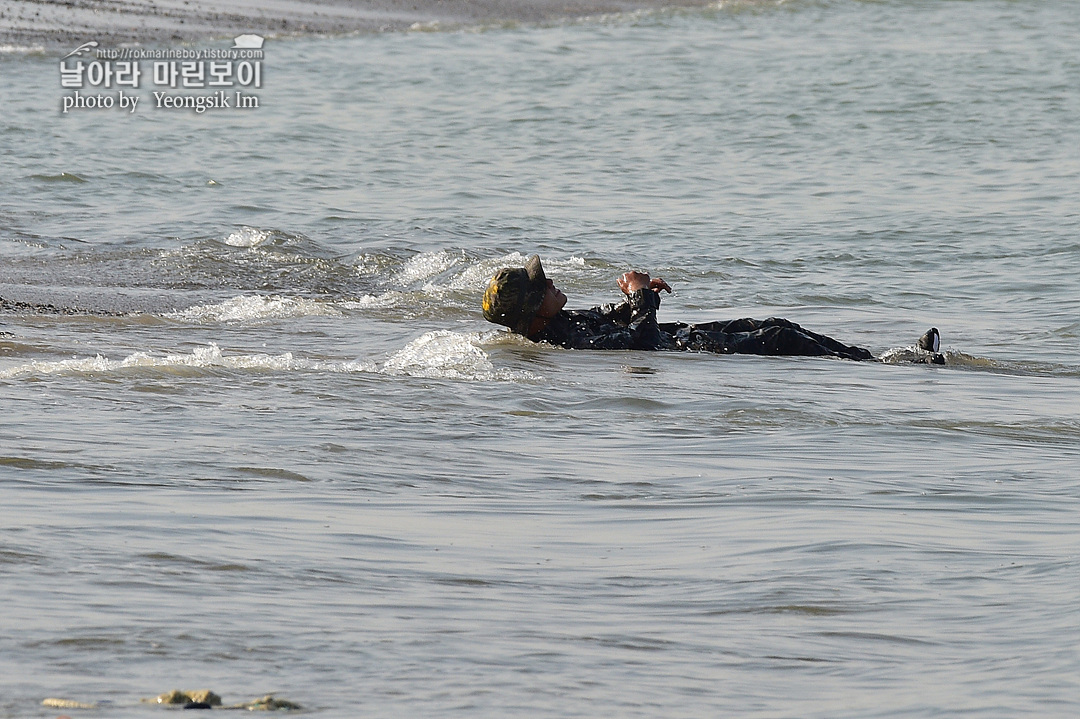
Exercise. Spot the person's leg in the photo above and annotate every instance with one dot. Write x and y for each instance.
(777, 340)
(782, 337)
(772, 336)
(834, 346)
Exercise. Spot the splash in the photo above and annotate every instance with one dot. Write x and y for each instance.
(916, 355)
(955, 358)
(248, 237)
(909, 355)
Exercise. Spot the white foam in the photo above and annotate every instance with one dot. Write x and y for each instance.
(426, 264)
(472, 278)
(248, 237)
(207, 357)
(256, 307)
(475, 277)
(449, 355)
(386, 300)
(905, 355)
(74, 365)
(441, 355)
(478, 275)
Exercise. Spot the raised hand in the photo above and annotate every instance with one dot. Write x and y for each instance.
(633, 281)
(658, 284)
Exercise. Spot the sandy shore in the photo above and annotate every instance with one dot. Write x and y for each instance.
(58, 24)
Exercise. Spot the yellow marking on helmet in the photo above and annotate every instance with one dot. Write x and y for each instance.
(489, 295)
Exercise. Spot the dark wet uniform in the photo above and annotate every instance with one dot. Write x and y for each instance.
(632, 325)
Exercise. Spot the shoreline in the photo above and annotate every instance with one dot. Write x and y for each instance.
(42, 25)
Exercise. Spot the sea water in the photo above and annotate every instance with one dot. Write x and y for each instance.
(281, 450)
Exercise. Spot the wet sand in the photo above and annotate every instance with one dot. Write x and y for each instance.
(62, 23)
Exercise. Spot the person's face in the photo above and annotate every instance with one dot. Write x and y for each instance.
(554, 300)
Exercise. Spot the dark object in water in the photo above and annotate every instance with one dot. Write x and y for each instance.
(931, 342)
(197, 699)
(42, 308)
(206, 699)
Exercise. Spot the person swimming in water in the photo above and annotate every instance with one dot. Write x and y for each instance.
(526, 301)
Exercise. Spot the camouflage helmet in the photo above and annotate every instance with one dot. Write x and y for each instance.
(514, 295)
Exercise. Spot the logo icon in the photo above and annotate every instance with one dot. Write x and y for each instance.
(85, 48)
(246, 42)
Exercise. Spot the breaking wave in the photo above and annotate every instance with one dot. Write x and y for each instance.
(449, 355)
(433, 282)
(436, 355)
(256, 307)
